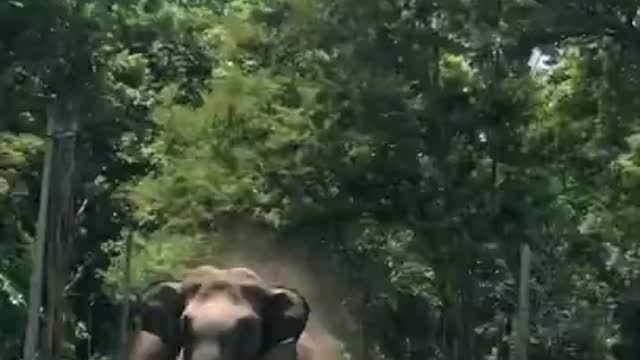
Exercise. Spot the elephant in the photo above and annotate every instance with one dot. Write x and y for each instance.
(219, 314)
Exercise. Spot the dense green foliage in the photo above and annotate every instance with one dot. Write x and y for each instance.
(406, 144)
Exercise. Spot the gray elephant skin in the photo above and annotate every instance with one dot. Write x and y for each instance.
(219, 314)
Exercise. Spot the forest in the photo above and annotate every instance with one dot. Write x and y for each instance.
(388, 158)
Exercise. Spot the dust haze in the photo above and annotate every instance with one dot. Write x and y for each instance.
(300, 269)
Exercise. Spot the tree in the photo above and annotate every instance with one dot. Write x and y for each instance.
(407, 145)
(112, 60)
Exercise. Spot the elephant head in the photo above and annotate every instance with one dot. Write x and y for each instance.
(217, 314)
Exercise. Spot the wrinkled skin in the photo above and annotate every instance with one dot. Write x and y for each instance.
(218, 314)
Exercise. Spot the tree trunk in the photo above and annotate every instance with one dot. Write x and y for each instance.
(124, 316)
(60, 227)
(522, 332)
(503, 340)
(366, 352)
(32, 330)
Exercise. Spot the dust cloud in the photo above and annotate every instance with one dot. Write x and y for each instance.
(297, 268)
(282, 271)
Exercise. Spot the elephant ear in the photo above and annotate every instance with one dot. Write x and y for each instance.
(285, 316)
(160, 308)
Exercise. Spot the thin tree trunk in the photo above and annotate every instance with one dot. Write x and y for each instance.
(366, 352)
(91, 328)
(522, 333)
(31, 343)
(124, 316)
(61, 225)
(503, 340)
(50, 284)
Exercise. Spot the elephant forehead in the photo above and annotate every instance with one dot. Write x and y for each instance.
(237, 275)
(244, 274)
(237, 282)
(218, 315)
(202, 272)
(218, 307)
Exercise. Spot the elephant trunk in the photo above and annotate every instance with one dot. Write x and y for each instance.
(204, 351)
